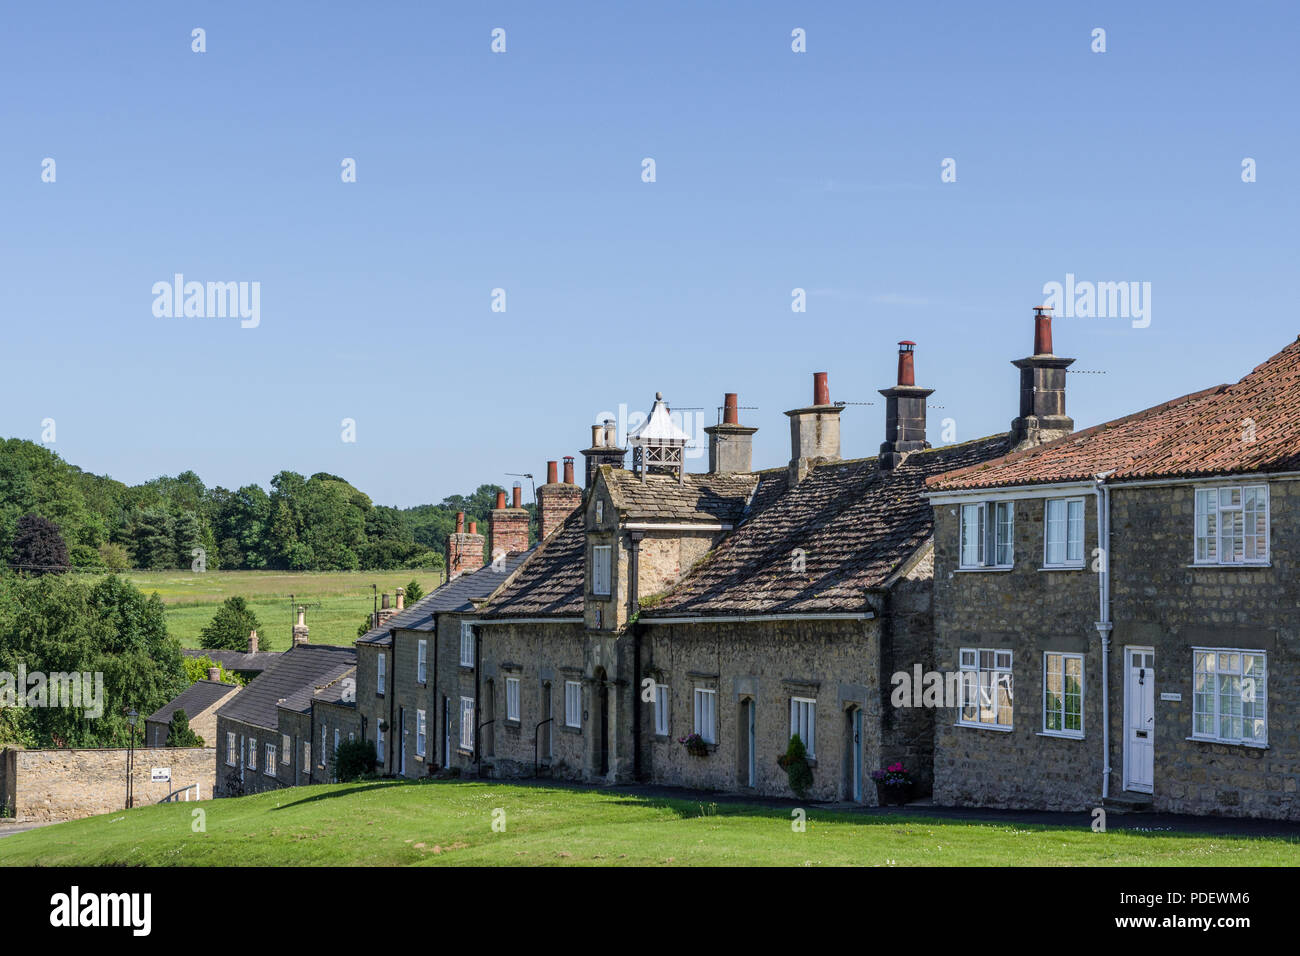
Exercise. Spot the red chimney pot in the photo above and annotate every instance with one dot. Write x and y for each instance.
(730, 409)
(501, 499)
(568, 469)
(1042, 330)
(906, 371)
(518, 497)
(552, 472)
(460, 522)
(821, 391)
(473, 527)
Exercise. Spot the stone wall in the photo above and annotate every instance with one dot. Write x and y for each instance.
(410, 696)
(74, 783)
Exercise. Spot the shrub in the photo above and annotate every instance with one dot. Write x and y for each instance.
(795, 763)
(179, 733)
(354, 760)
(413, 591)
(114, 557)
(38, 548)
(230, 627)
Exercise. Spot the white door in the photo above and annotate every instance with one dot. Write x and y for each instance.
(1139, 718)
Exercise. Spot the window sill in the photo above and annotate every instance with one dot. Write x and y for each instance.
(661, 738)
(991, 567)
(516, 724)
(1229, 743)
(1235, 566)
(1064, 567)
(466, 667)
(996, 727)
(566, 729)
(1059, 735)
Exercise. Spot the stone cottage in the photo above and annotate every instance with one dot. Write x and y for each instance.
(1120, 607)
(200, 701)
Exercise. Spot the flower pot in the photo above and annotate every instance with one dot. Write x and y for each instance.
(896, 794)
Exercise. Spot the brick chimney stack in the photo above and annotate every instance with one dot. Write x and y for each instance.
(1042, 389)
(214, 674)
(300, 628)
(556, 500)
(604, 449)
(508, 526)
(904, 412)
(252, 642)
(731, 444)
(464, 549)
(814, 431)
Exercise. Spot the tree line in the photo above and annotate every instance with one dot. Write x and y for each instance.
(55, 515)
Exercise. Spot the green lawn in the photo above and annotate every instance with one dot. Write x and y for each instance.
(345, 598)
(388, 823)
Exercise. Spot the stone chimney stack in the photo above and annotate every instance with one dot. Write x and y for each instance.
(300, 628)
(508, 527)
(814, 431)
(214, 674)
(1042, 390)
(252, 642)
(731, 444)
(556, 500)
(464, 549)
(604, 449)
(401, 598)
(904, 412)
(385, 611)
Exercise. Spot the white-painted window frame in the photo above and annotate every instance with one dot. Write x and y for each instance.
(1065, 523)
(467, 723)
(572, 703)
(231, 759)
(269, 768)
(662, 697)
(601, 567)
(986, 535)
(803, 721)
(286, 749)
(421, 661)
(706, 714)
(1063, 731)
(421, 732)
(974, 663)
(381, 673)
(252, 753)
(1252, 700)
(512, 698)
(466, 644)
(1208, 525)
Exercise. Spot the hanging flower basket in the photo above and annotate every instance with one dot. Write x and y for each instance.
(695, 745)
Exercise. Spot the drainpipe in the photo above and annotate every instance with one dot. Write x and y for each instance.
(634, 598)
(1104, 624)
(478, 715)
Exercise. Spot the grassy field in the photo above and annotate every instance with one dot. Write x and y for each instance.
(386, 823)
(337, 601)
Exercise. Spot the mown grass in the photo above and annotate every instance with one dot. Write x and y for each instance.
(388, 823)
(337, 600)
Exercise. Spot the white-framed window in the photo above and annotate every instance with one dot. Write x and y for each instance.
(252, 753)
(419, 733)
(306, 756)
(1063, 694)
(512, 698)
(467, 723)
(987, 532)
(661, 710)
(600, 510)
(706, 714)
(600, 559)
(381, 673)
(231, 760)
(986, 687)
(466, 644)
(572, 703)
(1232, 525)
(1230, 695)
(324, 740)
(421, 657)
(286, 749)
(803, 721)
(379, 740)
(269, 767)
(1063, 533)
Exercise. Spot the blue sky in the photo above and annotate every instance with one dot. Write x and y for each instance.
(522, 171)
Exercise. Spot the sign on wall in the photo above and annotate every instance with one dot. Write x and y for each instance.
(161, 775)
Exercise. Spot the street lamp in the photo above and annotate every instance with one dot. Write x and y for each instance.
(131, 717)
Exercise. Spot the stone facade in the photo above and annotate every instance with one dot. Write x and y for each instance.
(1160, 602)
(241, 765)
(74, 783)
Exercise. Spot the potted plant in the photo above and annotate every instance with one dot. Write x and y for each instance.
(797, 769)
(696, 746)
(893, 785)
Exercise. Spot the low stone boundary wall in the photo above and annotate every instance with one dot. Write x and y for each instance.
(72, 783)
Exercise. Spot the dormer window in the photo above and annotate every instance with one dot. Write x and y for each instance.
(600, 566)
(600, 510)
